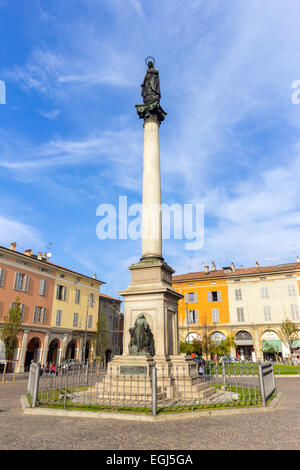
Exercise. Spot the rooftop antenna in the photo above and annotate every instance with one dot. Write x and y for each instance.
(190, 263)
(49, 254)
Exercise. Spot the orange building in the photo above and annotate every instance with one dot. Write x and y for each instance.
(205, 303)
(23, 278)
(205, 300)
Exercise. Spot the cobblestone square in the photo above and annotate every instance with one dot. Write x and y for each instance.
(278, 429)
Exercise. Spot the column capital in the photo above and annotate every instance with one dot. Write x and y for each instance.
(151, 112)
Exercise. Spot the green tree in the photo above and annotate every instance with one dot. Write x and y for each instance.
(271, 349)
(12, 326)
(289, 333)
(188, 348)
(223, 348)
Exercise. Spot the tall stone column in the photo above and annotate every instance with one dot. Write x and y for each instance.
(151, 207)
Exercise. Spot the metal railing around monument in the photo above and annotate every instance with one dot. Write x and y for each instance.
(92, 386)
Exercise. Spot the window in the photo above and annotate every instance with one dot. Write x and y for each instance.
(92, 300)
(37, 315)
(295, 312)
(240, 314)
(192, 316)
(75, 320)
(238, 294)
(42, 286)
(90, 321)
(61, 292)
(215, 315)
(22, 308)
(291, 290)
(58, 317)
(264, 292)
(2, 274)
(191, 297)
(77, 296)
(214, 296)
(267, 312)
(21, 282)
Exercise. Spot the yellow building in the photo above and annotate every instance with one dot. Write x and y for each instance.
(74, 316)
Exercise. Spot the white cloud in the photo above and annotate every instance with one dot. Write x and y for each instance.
(13, 231)
(52, 114)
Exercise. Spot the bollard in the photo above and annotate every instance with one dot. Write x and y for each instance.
(154, 390)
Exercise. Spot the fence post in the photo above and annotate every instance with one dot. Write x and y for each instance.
(33, 382)
(262, 385)
(154, 390)
(224, 374)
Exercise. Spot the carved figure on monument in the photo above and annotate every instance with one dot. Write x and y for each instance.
(151, 95)
(150, 85)
(141, 342)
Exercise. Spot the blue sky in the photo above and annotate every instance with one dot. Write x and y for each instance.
(70, 138)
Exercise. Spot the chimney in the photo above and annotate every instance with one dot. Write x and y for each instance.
(213, 266)
(28, 252)
(298, 259)
(257, 264)
(13, 246)
(232, 266)
(40, 255)
(206, 269)
(95, 276)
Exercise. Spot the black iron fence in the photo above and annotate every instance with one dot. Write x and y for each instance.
(91, 386)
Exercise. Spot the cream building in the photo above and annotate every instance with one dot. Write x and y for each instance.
(256, 302)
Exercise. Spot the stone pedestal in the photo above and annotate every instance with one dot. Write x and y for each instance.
(151, 294)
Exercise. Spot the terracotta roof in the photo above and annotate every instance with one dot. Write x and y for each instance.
(288, 267)
(48, 263)
(104, 296)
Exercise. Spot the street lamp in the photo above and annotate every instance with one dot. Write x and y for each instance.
(92, 304)
(187, 316)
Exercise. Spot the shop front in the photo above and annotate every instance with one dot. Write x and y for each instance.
(244, 346)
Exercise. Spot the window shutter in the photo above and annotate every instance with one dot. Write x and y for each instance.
(22, 311)
(2, 273)
(16, 280)
(196, 297)
(65, 293)
(26, 283)
(35, 315)
(42, 286)
(209, 296)
(219, 296)
(186, 298)
(44, 314)
(196, 315)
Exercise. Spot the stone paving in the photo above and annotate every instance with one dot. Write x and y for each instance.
(278, 429)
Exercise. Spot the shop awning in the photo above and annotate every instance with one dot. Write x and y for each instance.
(276, 343)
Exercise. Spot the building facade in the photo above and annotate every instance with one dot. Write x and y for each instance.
(59, 308)
(249, 304)
(112, 321)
